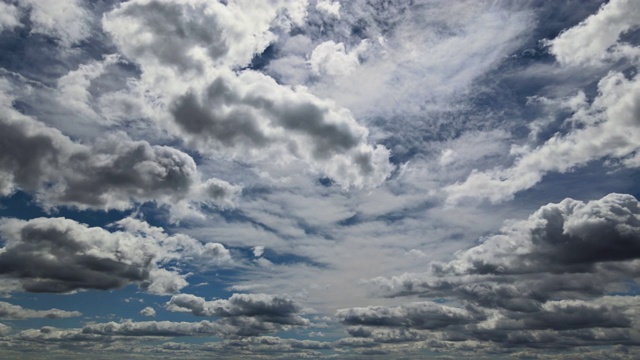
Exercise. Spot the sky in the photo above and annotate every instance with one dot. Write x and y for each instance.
(311, 179)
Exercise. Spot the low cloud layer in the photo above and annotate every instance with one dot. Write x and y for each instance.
(244, 314)
(542, 282)
(10, 311)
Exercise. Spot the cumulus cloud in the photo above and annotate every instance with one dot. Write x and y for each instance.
(61, 255)
(66, 20)
(16, 312)
(114, 173)
(258, 251)
(9, 17)
(597, 38)
(424, 315)
(243, 114)
(148, 311)
(332, 59)
(244, 314)
(252, 113)
(151, 328)
(329, 7)
(241, 315)
(546, 277)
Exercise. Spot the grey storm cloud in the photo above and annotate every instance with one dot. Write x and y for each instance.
(11, 311)
(113, 173)
(61, 255)
(546, 277)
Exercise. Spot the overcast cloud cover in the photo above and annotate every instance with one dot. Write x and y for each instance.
(295, 179)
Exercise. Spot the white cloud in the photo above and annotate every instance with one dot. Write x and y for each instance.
(240, 114)
(66, 20)
(9, 17)
(148, 311)
(258, 251)
(330, 7)
(604, 128)
(332, 59)
(13, 312)
(596, 39)
(420, 58)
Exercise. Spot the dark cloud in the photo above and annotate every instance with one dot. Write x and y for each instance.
(540, 282)
(229, 110)
(244, 314)
(252, 112)
(425, 315)
(114, 173)
(60, 255)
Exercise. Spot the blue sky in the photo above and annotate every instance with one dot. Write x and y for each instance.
(295, 179)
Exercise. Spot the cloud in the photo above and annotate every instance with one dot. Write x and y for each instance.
(596, 39)
(67, 20)
(245, 311)
(60, 255)
(16, 312)
(543, 281)
(330, 7)
(424, 315)
(602, 127)
(258, 251)
(114, 173)
(9, 17)
(331, 59)
(243, 114)
(151, 328)
(419, 60)
(148, 311)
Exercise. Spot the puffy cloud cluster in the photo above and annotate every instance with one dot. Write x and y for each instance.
(597, 38)
(9, 16)
(542, 282)
(61, 255)
(113, 173)
(604, 127)
(244, 314)
(195, 70)
(67, 21)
